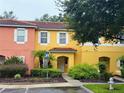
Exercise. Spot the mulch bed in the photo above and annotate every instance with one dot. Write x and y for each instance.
(31, 80)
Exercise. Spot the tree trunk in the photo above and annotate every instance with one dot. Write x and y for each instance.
(41, 63)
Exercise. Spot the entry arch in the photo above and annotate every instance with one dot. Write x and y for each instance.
(62, 63)
(106, 60)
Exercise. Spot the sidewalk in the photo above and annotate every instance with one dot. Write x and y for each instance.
(70, 83)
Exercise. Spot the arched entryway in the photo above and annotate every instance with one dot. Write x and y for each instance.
(2, 59)
(106, 60)
(62, 63)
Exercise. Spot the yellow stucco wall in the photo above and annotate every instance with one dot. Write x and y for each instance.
(84, 54)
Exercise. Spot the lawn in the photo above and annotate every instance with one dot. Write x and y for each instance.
(104, 88)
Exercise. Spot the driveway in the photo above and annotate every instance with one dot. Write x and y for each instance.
(43, 90)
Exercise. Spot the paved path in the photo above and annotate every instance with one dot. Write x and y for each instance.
(46, 88)
(72, 81)
(118, 78)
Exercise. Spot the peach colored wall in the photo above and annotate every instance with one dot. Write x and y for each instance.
(8, 47)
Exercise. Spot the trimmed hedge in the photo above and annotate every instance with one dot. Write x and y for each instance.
(11, 70)
(40, 72)
(84, 71)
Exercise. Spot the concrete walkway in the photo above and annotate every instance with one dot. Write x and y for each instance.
(119, 78)
(70, 83)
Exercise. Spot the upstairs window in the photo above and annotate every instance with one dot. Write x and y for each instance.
(44, 37)
(20, 35)
(62, 38)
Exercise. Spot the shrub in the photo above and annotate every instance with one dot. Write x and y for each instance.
(104, 75)
(43, 72)
(12, 69)
(83, 71)
(17, 76)
(13, 60)
(122, 71)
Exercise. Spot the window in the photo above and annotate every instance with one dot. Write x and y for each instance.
(44, 37)
(62, 38)
(20, 35)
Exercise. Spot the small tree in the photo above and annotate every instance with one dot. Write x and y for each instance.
(40, 54)
(51, 58)
(104, 75)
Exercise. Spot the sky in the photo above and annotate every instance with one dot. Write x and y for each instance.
(29, 9)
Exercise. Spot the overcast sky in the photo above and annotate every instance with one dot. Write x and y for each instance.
(29, 9)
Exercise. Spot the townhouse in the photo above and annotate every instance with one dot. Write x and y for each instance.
(20, 38)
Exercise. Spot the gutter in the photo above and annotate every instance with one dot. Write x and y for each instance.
(17, 26)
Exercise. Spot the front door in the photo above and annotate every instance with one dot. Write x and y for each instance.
(62, 63)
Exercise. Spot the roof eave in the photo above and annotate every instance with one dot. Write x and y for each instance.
(52, 29)
(17, 26)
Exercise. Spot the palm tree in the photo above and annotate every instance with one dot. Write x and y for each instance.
(40, 54)
(51, 58)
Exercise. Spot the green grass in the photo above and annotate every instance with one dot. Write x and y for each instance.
(104, 88)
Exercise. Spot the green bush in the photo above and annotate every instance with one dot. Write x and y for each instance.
(83, 71)
(104, 75)
(12, 69)
(122, 71)
(13, 60)
(43, 72)
(17, 76)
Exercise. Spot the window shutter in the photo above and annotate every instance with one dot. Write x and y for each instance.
(57, 38)
(26, 35)
(67, 38)
(39, 37)
(15, 35)
(48, 37)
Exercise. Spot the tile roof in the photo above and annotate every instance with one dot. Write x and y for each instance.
(49, 25)
(10, 22)
(44, 25)
(62, 50)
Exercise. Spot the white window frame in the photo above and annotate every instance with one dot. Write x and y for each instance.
(23, 58)
(25, 38)
(48, 38)
(58, 38)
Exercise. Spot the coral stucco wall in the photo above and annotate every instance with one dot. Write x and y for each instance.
(8, 47)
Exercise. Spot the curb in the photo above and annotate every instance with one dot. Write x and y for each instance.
(86, 89)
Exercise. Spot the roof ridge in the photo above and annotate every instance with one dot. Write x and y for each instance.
(46, 22)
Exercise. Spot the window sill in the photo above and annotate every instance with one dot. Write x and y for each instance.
(43, 43)
(20, 42)
(62, 44)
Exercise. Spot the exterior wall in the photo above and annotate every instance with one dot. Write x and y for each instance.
(8, 47)
(91, 55)
(53, 44)
(84, 54)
